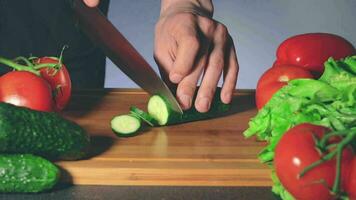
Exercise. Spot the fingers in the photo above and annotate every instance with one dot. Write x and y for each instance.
(186, 88)
(230, 75)
(164, 63)
(188, 48)
(216, 63)
(91, 3)
(199, 47)
(164, 54)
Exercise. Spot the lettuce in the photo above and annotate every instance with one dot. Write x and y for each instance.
(329, 101)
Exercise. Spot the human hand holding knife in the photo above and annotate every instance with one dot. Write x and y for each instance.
(101, 31)
(189, 45)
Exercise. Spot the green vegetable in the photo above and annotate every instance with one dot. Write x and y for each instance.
(126, 125)
(143, 116)
(161, 110)
(47, 134)
(26, 173)
(329, 101)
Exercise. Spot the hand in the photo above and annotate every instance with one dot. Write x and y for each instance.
(91, 3)
(189, 44)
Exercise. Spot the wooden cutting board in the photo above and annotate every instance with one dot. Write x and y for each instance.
(205, 153)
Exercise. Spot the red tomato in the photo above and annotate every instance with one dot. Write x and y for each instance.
(311, 50)
(274, 79)
(295, 151)
(351, 185)
(59, 81)
(26, 89)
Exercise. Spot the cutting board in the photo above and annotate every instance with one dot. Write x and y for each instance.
(205, 153)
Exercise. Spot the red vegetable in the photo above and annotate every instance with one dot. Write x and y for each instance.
(275, 78)
(26, 89)
(59, 80)
(298, 150)
(351, 184)
(311, 50)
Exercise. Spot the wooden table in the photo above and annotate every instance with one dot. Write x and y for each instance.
(205, 153)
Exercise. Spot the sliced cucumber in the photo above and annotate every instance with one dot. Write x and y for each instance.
(126, 125)
(161, 110)
(143, 116)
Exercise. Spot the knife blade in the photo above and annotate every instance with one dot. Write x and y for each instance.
(119, 50)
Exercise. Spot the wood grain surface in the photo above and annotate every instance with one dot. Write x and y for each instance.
(205, 153)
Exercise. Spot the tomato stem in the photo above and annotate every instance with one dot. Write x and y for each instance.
(325, 158)
(44, 65)
(25, 60)
(326, 137)
(55, 66)
(331, 146)
(348, 139)
(17, 66)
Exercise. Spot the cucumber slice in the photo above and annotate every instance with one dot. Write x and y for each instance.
(125, 125)
(159, 109)
(143, 116)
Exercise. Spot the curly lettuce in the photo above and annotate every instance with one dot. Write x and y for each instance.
(329, 101)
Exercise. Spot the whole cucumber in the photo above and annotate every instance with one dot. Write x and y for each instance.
(26, 173)
(23, 130)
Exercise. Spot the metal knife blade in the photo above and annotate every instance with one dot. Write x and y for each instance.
(119, 50)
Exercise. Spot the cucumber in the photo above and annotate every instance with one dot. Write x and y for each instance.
(161, 110)
(26, 173)
(144, 116)
(23, 130)
(126, 125)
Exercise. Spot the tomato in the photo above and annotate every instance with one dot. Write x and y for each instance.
(59, 81)
(297, 150)
(274, 79)
(311, 50)
(26, 89)
(351, 184)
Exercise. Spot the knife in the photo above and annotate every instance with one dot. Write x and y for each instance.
(119, 50)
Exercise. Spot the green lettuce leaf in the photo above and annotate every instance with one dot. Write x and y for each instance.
(329, 101)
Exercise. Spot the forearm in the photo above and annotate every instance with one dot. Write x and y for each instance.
(201, 7)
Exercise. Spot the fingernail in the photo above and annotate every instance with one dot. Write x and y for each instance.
(204, 104)
(176, 78)
(227, 98)
(186, 101)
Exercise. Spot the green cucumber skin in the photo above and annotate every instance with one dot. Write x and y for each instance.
(127, 135)
(42, 133)
(143, 116)
(217, 108)
(25, 173)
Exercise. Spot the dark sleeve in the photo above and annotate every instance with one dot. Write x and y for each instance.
(42, 28)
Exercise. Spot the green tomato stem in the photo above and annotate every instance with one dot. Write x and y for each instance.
(330, 147)
(44, 65)
(25, 60)
(349, 136)
(348, 139)
(17, 66)
(325, 158)
(326, 137)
